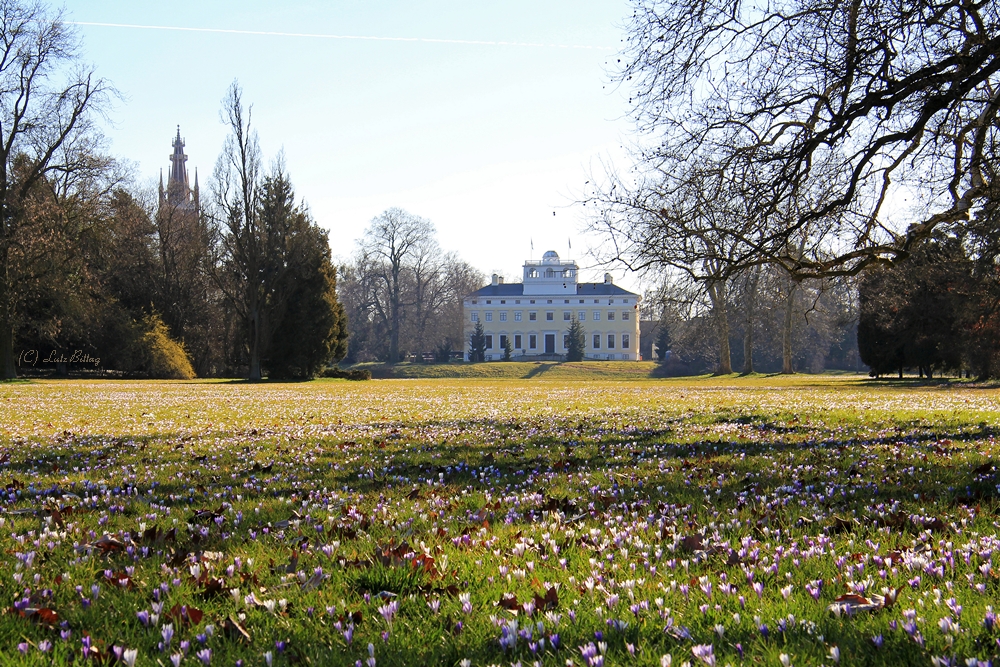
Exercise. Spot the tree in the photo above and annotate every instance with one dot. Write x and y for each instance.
(662, 340)
(806, 105)
(236, 196)
(186, 295)
(394, 242)
(681, 222)
(577, 341)
(915, 315)
(508, 349)
(477, 344)
(394, 288)
(274, 262)
(47, 104)
(306, 327)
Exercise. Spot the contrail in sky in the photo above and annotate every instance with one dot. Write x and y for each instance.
(371, 38)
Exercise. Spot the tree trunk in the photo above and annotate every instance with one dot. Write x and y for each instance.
(717, 293)
(750, 299)
(394, 333)
(7, 369)
(786, 331)
(255, 373)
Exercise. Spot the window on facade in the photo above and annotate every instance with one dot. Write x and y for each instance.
(565, 300)
(517, 316)
(489, 317)
(475, 317)
(625, 341)
(488, 302)
(549, 316)
(532, 341)
(611, 315)
(596, 301)
(582, 316)
(503, 342)
(532, 316)
(531, 301)
(611, 341)
(503, 316)
(503, 301)
(517, 341)
(549, 273)
(597, 315)
(517, 301)
(597, 341)
(625, 315)
(567, 316)
(489, 341)
(565, 342)
(549, 301)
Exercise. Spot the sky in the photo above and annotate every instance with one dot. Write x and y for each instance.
(485, 118)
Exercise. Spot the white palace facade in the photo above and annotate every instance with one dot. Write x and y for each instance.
(536, 314)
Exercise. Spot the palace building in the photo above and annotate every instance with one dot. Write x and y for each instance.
(536, 313)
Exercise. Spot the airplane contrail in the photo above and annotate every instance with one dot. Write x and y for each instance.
(269, 33)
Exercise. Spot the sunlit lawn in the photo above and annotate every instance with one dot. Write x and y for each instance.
(429, 522)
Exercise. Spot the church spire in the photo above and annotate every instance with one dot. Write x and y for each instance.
(178, 188)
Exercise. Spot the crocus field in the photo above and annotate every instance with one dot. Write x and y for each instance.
(776, 521)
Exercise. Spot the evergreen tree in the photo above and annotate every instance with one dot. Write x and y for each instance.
(477, 344)
(662, 340)
(577, 341)
(301, 304)
(508, 349)
(914, 315)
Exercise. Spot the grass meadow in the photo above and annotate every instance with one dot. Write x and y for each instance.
(762, 521)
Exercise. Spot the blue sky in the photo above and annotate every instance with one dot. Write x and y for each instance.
(485, 140)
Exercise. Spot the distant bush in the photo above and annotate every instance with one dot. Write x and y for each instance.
(161, 356)
(353, 374)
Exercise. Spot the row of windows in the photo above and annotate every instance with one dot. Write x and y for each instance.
(611, 302)
(552, 273)
(533, 341)
(550, 316)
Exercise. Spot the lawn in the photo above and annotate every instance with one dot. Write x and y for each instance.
(761, 521)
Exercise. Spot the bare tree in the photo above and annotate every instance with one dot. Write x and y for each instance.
(236, 192)
(695, 222)
(47, 103)
(393, 243)
(876, 104)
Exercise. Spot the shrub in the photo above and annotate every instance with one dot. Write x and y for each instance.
(353, 374)
(158, 355)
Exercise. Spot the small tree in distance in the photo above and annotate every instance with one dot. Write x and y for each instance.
(477, 344)
(662, 340)
(508, 349)
(577, 341)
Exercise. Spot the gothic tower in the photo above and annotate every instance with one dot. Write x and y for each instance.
(178, 193)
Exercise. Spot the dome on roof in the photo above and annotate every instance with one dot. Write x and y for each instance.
(550, 256)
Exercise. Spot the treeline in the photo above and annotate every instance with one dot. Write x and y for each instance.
(403, 294)
(100, 275)
(761, 321)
